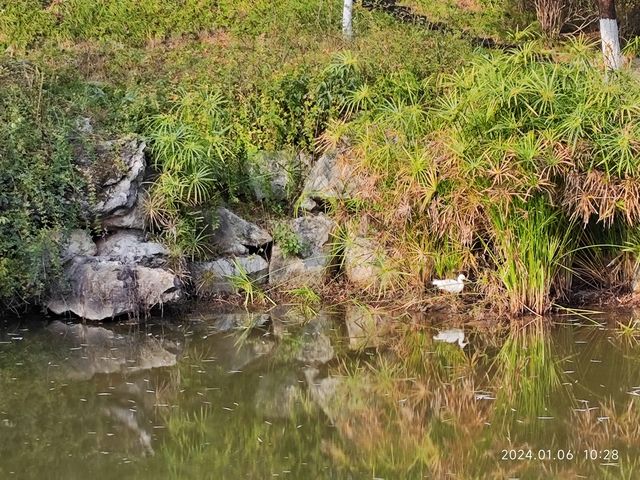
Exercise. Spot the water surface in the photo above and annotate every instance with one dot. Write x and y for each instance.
(348, 393)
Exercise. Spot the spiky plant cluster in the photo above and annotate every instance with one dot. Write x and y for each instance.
(495, 165)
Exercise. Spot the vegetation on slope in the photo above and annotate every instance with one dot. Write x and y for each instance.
(467, 149)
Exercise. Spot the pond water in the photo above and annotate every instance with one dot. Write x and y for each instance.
(349, 393)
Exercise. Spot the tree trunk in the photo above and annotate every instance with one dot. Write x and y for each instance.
(609, 34)
(347, 22)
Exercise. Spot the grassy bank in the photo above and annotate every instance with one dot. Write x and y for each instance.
(509, 166)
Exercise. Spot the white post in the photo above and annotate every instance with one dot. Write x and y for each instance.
(610, 43)
(347, 23)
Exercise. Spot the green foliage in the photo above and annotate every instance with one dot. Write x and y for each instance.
(287, 239)
(39, 186)
(133, 22)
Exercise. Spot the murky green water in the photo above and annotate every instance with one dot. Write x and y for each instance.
(350, 394)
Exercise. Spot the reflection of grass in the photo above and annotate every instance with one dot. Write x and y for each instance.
(527, 370)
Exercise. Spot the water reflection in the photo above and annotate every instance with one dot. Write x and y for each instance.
(340, 394)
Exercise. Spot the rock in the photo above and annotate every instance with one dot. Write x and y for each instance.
(129, 246)
(311, 264)
(236, 236)
(117, 172)
(361, 262)
(79, 243)
(328, 179)
(132, 218)
(274, 175)
(212, 278)
(96, 288)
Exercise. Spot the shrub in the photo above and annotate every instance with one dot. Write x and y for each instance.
(39, 185)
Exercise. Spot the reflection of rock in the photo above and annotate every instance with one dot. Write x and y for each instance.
(363, 327)
(226, 322)
(234, 354)
(128, 419)
(236, 236)
(211, 278)
(311, 264)
(96, 350)
(130, 246)
(95, 288)
(323, 392)
(278, 394)
(316, 345)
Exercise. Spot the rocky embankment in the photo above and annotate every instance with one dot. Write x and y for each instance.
(118, 269)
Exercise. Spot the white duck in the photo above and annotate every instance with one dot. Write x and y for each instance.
(451, 285)
(452, 335)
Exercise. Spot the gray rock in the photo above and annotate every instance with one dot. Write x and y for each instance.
(361, 262)
(274, 175)
(131, 218)
(309, 267)
(212, 278)
(328, 179)
(130, 246)
(117, 172)
(79, 243)
(234, 235)
(96, 288)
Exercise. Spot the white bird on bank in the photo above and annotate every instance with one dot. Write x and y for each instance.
(450, 285)
(452, 335)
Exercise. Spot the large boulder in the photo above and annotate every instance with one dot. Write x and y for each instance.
(309, 266)
(235, 236)
(126, 218)
(117, 169)
(212, 278)
(130, 246)
(362, 265)
(78, 244)
(275, 175)
(96, 288)
(329, 178)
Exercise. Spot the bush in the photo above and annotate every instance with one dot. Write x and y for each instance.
(39, 186)
(509, 129)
